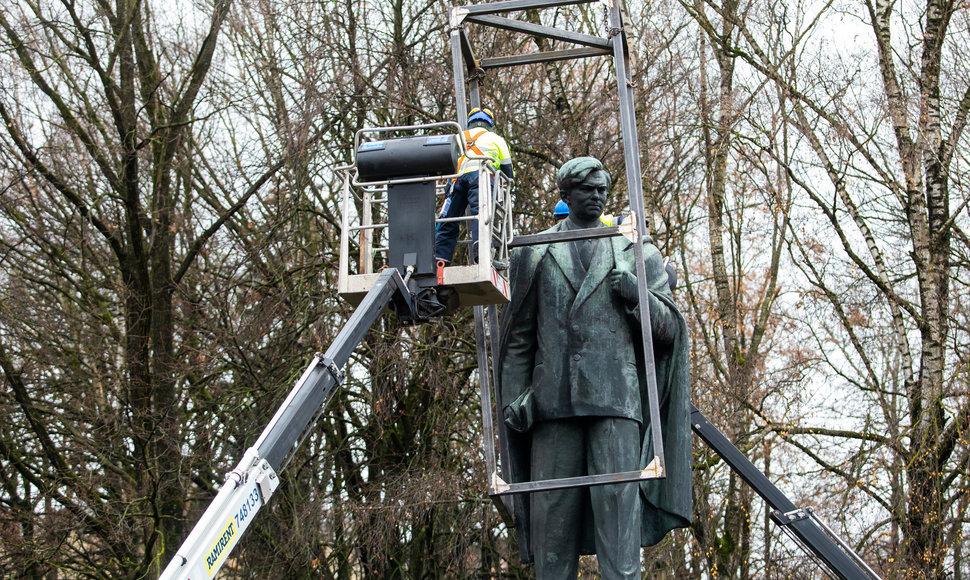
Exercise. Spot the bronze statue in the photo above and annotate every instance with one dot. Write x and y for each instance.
(573, 392)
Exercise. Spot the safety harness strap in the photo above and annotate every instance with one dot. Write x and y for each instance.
(470, 145)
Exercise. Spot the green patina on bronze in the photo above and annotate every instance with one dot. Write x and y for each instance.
(571, 357)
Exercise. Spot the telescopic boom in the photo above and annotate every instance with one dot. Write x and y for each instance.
(250, 485)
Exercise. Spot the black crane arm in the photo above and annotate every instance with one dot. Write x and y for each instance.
(836, 556)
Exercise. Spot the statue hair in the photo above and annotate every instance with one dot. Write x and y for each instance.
(576, 170)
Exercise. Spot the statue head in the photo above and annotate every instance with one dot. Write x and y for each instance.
(583, 184)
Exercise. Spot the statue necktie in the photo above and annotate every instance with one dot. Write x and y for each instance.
(586, 253)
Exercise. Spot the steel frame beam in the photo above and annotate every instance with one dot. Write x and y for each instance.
(481, 14)
(515, 5)
(540, 57)
(571, 482)
(564, 236)
(631, 154)
(467, 50)
(540, 30)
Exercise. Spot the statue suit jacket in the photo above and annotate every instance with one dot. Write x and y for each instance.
(573, 341)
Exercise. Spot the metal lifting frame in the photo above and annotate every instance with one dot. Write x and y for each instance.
(486, 327)
(814, 536)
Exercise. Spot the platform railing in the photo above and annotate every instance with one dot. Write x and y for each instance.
(364, 222)
(494, 218)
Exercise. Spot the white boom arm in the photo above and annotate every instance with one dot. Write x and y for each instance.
(247, 489)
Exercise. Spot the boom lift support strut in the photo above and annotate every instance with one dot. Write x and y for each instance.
(809, 531)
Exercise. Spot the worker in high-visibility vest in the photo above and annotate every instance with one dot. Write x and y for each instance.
(462, 192)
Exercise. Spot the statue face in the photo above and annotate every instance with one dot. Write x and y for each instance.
(587, 199)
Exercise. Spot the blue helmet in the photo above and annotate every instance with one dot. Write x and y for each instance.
(477, 114)
(562, 210)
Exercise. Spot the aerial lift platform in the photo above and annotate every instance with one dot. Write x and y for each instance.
(389, 198)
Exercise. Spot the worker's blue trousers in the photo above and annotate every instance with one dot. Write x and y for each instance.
(463, 195)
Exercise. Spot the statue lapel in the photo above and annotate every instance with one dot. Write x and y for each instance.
(567, 261)
(620, 245)
(599, 268)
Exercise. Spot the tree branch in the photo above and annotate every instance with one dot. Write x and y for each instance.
(113, 239)
(58, 102)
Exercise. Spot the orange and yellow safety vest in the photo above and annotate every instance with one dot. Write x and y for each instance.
(483, 143)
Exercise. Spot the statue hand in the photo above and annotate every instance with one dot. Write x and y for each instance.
(520, 413)
(624, 283)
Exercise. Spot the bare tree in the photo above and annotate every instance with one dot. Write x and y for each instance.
(113, 210)
(885, 264)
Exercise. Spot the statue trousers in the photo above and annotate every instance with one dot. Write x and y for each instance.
(586, 446)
